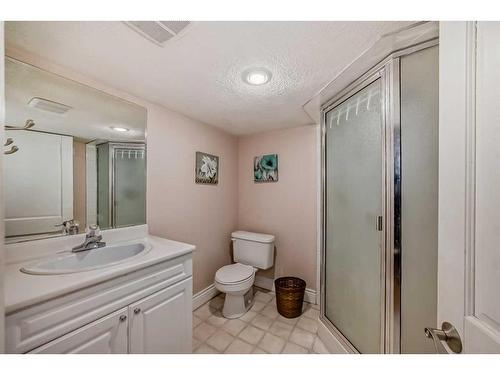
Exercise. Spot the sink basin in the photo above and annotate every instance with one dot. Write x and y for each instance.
(86, 260)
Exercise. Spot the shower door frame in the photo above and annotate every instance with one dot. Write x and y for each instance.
(388, 71)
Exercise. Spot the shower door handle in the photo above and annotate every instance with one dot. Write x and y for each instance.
(449, 334)
(380, 223)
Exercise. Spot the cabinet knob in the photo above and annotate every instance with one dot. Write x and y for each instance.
(123, 318)
(137, 310)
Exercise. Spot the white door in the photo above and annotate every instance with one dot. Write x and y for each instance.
(104, 336)
(38, 182)
(162, 322)
(469, 183)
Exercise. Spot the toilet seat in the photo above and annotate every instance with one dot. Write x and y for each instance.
(236, 273)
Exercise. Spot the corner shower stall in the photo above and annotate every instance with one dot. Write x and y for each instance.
(380, 201)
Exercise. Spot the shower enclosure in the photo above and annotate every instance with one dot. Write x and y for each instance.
(121, 184)
(379, 190)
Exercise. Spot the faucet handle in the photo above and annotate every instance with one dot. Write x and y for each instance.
(69, 226)
(93, 230)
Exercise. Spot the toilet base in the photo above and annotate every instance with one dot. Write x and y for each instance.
(236, 305)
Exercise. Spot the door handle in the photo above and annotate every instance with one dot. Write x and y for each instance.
(449, 334)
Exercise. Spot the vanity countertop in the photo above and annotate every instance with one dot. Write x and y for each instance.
(23, 290)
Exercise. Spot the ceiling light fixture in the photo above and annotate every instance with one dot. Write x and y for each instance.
(257, 76)
(119, 129)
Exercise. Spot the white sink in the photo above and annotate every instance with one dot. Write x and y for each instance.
(86, 260)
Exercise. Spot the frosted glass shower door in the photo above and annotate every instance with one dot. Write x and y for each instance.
(129, 168)
(353, 238)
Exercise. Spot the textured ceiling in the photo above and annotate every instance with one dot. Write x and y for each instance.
(199, 72)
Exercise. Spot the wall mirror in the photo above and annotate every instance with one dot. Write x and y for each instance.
(74, 156)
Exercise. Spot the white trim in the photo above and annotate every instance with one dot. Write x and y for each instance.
(333, 345)
(267, 283)
(310, 296)
(203, 296)
(319, 221)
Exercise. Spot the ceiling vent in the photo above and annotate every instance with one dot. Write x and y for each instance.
(158, 32)
(49, 106)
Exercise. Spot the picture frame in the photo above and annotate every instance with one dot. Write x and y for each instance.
(206, 168)
(265, 168)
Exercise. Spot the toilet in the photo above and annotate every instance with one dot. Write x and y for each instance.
(251, 252)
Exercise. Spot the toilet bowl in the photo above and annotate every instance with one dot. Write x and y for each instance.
(252, 251)
(236, 281)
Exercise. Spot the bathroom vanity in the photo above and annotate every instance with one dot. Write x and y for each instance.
(78, 163)
(140, 304)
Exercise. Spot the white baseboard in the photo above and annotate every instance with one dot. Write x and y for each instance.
(310, 296)
(267, 283)
(203, 296)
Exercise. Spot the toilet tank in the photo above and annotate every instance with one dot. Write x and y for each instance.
(253, 249)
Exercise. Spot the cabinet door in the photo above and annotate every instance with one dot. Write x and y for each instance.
(162, 322)
(104, 336)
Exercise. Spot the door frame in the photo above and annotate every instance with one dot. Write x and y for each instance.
(388, 71)
(457, 187)
(457, 135)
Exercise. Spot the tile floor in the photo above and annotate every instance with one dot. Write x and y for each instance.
(261, 330)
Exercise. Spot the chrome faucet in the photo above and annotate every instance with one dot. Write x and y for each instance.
(92, 240)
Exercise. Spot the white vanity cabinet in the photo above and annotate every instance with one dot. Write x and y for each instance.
(145, 311)
(155, 324)
(108, 335)
(158, 323)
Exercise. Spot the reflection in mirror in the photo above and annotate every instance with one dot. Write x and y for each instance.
(83, 161)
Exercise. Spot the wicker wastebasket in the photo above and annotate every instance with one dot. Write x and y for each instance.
(289, 296)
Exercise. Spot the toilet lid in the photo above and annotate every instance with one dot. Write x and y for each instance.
(234, 273)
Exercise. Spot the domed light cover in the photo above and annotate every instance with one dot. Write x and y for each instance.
(257, 76)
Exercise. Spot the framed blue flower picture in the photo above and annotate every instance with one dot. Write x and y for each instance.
(265, 168)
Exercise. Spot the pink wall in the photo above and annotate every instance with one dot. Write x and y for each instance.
(286, 208)
(179, 209)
